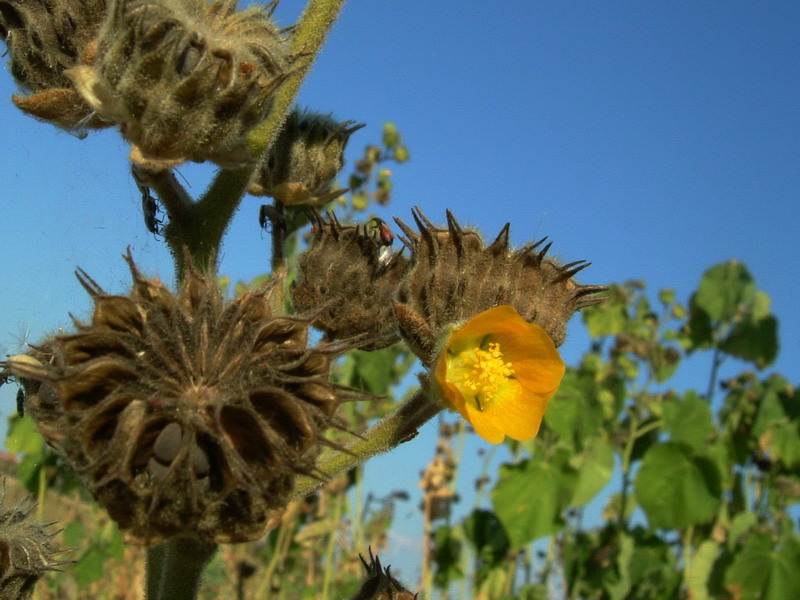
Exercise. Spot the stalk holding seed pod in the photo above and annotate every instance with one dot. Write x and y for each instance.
(304, 160)
(186, 80)
(183, 412)
(44, 39)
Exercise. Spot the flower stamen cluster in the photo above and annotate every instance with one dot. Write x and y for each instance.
(481, 372)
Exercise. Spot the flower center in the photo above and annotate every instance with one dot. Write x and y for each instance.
(483, 371)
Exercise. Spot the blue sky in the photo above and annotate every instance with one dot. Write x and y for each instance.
(653, 139)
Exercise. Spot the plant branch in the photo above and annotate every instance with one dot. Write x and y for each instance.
(386, 434)
(202, 232)
(182, 560)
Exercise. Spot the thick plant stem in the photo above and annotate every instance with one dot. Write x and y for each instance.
(154, 570)
(202, 232)
(386, 434)
(180, 562)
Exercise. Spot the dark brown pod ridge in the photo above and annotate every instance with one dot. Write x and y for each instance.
(185, 80)
(347, 277)
(304, 160)
(454, 276)
(44, 39)
(184, 412)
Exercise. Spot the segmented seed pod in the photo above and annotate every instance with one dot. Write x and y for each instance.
(44, 39)
(27, 550)
(454, 276)
(184, 412)
(185, 79)
(347, 277)
(304, 160)
(379, 583)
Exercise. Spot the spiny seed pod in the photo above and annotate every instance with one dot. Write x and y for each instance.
(27, 550)
(348, 277)
(379, 584)
(304, 160)
(453, 276)
(44, 39)
(185, 79)
(185, 413)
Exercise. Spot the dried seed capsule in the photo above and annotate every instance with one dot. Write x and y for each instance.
(185, 80)
(45, 39)
(379, 584)
(185, 412)
(454, 276)
(304, 160)
(27, 550)
(347, 280)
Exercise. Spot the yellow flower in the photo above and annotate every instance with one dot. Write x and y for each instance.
(499, 371)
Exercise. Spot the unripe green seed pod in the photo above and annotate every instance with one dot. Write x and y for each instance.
(304, 160)
(185, 80)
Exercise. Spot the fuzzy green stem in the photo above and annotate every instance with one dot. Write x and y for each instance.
(182, 561)
(329, 551)
(202, 232)
(155, 567)
(386, 434)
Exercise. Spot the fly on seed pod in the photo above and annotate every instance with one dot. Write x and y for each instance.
(378, 228)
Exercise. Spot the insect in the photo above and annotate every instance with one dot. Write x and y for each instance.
(378, 228)
(21, 402)
(268, 215)
(379, 231)
(150, 211)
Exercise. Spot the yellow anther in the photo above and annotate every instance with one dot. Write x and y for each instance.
(484, 371)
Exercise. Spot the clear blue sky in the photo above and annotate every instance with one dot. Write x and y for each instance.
(653, 139)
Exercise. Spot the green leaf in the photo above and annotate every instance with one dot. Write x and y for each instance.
(754, 341)
(486, 533)
(765, 572)
(23, 437)
(594, 471)
(741, 524)
(688, 420)
(447, 557)
(723, 289)
(73, 534)
(90, 567)
(783, 442)
(675, 488)
(526, 501)
(699, 570)
(606, 319)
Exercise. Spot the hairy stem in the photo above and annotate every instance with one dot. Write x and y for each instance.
(386, 434)
(208, 219)
(182, 559)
